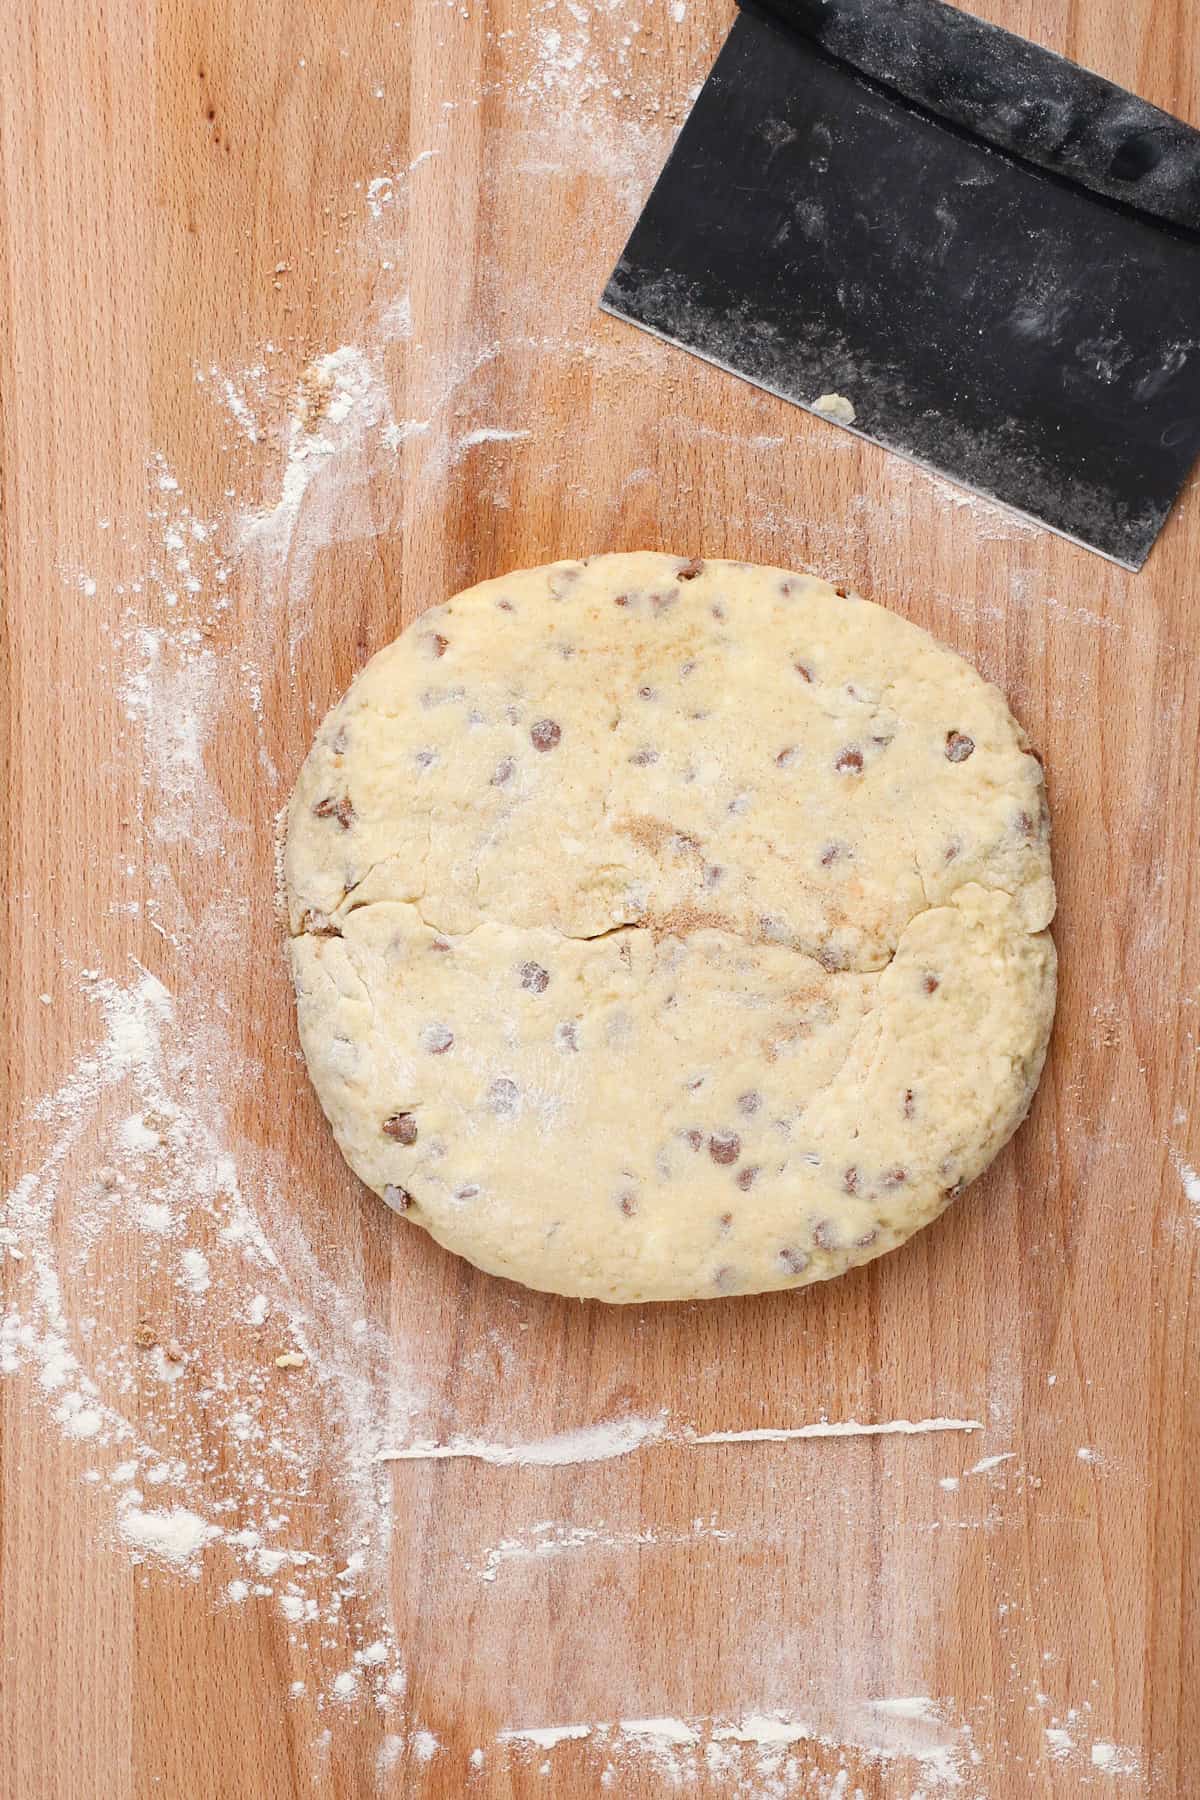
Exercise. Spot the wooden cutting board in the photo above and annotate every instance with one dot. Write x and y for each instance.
(202, 202)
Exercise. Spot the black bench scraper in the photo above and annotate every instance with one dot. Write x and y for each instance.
(991, 254)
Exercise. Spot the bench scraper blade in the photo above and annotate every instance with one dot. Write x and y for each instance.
(991, 254)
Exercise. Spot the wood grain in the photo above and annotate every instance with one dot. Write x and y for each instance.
(160, 162)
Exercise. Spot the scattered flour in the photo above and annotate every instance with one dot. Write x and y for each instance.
(666, 1731)
(592, 1443)
(490, 434)
(599, 1443)
(235, 400)
(177, 1536)
(227, 1453)
(758, 1754)
(539, 1542)
(196, 1276)
(543, 1736)
(1114, 1759)
(758, 1728)
(342, 412)
(200, 618)
(387, 1756)
(987, 1463)
(171, 693)
(907, 1706)
(842, 1428)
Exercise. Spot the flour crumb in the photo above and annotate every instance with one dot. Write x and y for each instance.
(396, 319)
(388, 1754)
(424, 1746)
(1114, 1759)
(490, 434)
(196, 1276)
(177, 1536)
(667, 1731)
(80, 1421)
(544, 1737)
(907, 1706)
(757, 1728)
(135, 1134)
(167, 1361)
(987, 1463)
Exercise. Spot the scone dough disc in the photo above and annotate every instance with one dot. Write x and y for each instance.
(665, 929)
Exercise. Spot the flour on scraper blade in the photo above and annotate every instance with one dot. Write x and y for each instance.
(669, 929)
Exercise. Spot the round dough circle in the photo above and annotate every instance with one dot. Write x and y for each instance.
(670, 929)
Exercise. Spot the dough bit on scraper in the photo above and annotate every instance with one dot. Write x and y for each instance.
(968, 249)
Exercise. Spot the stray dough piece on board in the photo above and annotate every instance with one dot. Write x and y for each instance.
(667, 929)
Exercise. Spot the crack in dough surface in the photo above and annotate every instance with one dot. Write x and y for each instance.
(664, 930)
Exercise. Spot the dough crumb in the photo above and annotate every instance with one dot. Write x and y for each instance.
(835, 407)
